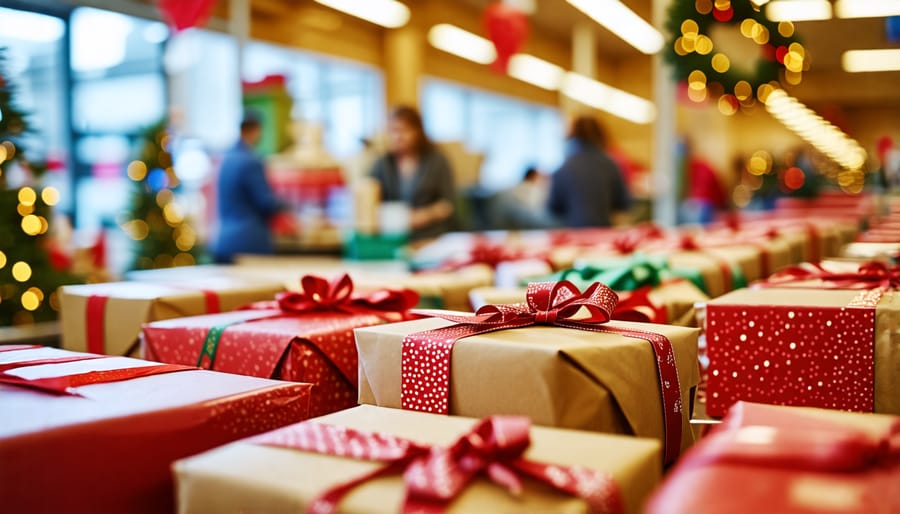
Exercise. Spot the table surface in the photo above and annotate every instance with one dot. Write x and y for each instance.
(45, 333)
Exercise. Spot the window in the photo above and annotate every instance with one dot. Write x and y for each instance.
(511, 134)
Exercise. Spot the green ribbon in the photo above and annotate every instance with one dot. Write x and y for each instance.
(621, 274)
(211, 344)
(430, 302)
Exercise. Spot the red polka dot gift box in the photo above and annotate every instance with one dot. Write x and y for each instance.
(304, 336)
(106, 318)
(557, 358)
(90, 434)
(828, 348)
(379, 460)
(789, 460)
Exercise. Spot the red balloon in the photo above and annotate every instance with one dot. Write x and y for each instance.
(507, 27)
(185, 14)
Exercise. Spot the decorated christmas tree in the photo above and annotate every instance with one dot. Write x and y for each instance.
(155, 220)
(28, 278)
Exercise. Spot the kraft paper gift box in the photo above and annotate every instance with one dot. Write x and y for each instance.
(106, 318)
(869, 251)
(262, 475)
(104, 442)
(563, 377)
(789, 460)
(303, 337)
(818, 347)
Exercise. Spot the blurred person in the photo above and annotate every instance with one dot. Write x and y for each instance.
(705, 195)
(246, 204)
(523, 206)
(414, 172)
(588, 188)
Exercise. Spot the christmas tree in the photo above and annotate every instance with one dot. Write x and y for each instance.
(28, 279)
(155, 220)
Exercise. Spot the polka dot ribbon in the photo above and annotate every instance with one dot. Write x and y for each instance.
(870, 275)
(425, 357)
(67, 384)
(434, 476)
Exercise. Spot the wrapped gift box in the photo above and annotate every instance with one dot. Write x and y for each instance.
(106, 318)
(805, 347)
(304, 337)
(789, 460)
(107, 447)
(565, 377)
(874, 250)
(260, 474)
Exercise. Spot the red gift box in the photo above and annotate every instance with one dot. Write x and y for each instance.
(790, 461)
(84, 433)
(827, 348)
(303, 337)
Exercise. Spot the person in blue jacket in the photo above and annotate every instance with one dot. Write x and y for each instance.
(246, 203)
(589, 186)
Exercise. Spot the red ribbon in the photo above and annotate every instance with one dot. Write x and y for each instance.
(871, 275)
(321, 295)
(425, 358)
(492, 255)
(434, 476)
(637, 306)
(17, 347)
(66, 384)
(96, 321)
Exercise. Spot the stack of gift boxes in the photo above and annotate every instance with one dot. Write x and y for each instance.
(571, 388)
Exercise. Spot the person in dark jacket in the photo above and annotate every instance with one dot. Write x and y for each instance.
(246, 203)
(589, 187)
(414, 172)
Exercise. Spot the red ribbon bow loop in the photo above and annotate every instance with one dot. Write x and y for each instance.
(318, 294)
(870, 275)
(435, 476)
(425, 356)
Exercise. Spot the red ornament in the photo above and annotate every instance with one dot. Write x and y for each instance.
(185, 14)
(723, 15)
(507, 27)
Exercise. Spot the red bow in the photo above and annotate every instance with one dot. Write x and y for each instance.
(871, 275)
(637, 306)
(550, 303)
(491, 255)
(435, 476)
(319, 294)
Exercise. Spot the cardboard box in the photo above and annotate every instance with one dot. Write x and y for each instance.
(108, 447)
(106, 318)
(249, 477)
(558, 377)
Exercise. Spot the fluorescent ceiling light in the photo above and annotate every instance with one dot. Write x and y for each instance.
(607, 98)
(623, 22)
(538, 72)
(887, 59)
(866, 8)
(387, 13)
(462, 43)
(28, 26)
(799, 10)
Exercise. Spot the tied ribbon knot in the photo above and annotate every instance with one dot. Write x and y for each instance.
(492, 255)
(434, 476)
(425, 356)
(318, 294)
(870, 275)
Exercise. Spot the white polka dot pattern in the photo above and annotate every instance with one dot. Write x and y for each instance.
(792, 355)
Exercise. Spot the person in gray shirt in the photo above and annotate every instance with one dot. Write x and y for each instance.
(588, 187)
(414, 172)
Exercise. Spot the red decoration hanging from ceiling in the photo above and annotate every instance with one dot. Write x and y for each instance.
(185, 14)
(507, 28)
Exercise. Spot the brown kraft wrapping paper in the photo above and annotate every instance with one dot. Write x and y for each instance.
(562, 377)
(131, 304)
(244, 477)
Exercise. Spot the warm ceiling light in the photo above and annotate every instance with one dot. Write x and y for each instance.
(387, 13)
(887, 59)
(799, 10)
(623, 22)
(607, 98)
(462, 43)
(866, 8)
(538, 72)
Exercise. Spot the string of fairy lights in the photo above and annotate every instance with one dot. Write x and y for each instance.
(32, 225)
